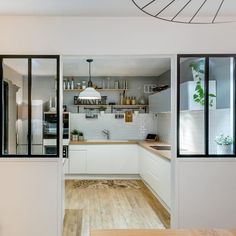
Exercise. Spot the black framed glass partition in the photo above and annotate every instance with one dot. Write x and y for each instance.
(206, 106)
(30, 89)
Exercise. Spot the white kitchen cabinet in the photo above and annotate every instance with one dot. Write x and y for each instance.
(155, 170)
(112, 159)
(160, 102)
(104, 159)
(77, 161)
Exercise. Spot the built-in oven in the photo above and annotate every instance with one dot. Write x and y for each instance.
(50, 125)
(52, 150)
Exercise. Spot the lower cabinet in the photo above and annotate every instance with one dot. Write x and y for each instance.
(78, 162)
(156, 172)
(103, 159)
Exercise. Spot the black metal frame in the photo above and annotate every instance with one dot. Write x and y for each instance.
(206, 106)
(30, 57)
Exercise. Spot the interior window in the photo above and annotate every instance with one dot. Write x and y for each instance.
(206, 106)
(29, 88)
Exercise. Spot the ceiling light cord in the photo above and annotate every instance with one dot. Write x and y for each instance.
(90, 83)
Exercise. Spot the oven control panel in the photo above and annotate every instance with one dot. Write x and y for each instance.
(65, 151)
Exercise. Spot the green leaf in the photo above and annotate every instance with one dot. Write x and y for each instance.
(212, 95)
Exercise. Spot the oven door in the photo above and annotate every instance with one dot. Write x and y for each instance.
(50, 149)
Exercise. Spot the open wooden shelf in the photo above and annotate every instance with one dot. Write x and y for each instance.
(115, 106)
(105, 90)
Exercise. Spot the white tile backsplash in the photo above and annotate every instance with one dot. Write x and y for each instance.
(92, 128)
(164, 127)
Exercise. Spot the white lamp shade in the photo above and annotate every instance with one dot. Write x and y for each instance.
(90, 93)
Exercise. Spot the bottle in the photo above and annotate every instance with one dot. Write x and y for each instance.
(103, 84)
(83, 84)
(127, 100)
(126, 84)
(124, 98)
(72, 84)
(133, 101)
(68, 84)
(108, 82)
(121, 99)
(64, 84)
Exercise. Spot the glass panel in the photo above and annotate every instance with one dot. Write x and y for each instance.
(221, 105)
(44, 114)
(15, 106)
(191, 120)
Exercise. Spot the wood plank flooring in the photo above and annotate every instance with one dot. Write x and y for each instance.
(178, 232)
(108, 204)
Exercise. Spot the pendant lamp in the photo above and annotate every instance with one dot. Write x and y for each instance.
(188, 11)
(90, 93)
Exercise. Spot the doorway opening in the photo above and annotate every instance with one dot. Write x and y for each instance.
(118, 171)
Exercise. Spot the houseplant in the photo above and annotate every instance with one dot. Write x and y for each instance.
(102, 110)
(198, 71)
(81, 136)
(224, 144)
(74, 135)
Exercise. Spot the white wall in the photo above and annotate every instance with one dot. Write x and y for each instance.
(206, 193)
(29, 197)
(102, 36)
(134, 36)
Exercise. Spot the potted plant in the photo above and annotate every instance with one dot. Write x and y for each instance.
(102, 110)
(74, 135)
(197, 69)
(224, 144)
(81, 136)
(198, 77)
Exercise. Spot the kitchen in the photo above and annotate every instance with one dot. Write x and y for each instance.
(119, 142)
(116, 174)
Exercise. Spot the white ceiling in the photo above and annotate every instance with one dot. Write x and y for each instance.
(69, 7)
(73, 66)
(40, 67)
(101, 66)
(103, 7)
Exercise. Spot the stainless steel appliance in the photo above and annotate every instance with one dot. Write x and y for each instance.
(50, 133)
(50, 125)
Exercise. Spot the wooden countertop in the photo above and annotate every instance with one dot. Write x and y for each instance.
(165, 232)
(102, 141)
(145, 144)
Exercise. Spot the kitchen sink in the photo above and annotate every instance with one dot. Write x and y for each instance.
(161, 147)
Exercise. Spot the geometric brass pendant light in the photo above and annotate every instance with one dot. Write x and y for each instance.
(189, 11)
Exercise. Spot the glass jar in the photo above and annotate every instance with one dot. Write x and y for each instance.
(79, 85)
(84, 85)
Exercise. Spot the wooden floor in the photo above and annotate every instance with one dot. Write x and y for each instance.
(108, 204)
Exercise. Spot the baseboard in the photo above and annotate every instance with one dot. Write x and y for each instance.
(157, 196)
(102, 176)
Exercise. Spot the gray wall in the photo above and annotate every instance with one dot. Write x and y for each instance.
(220, 71)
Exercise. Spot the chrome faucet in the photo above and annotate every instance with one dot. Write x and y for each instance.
(107, 133)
